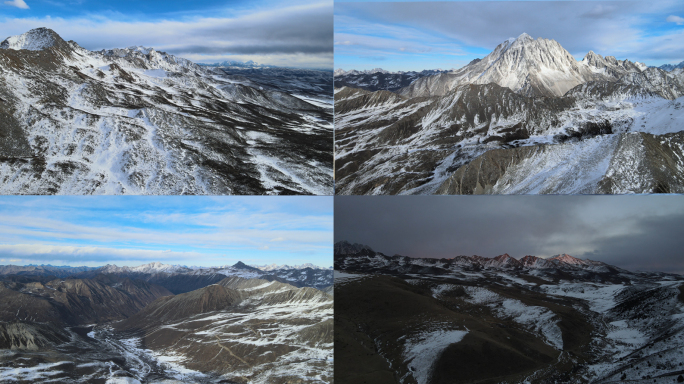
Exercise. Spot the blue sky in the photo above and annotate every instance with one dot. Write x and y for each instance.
(295, 33)
(428, 35)
(184, 230)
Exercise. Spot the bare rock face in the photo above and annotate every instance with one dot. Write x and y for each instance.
(75, 301)
(170, 308)
(33, 337)
(140, 121)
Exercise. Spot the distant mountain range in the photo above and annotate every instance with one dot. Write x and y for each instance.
(671, 67)
(379, 79)
(179, 279)
(239, 64)
(358, 257)
(498, 124)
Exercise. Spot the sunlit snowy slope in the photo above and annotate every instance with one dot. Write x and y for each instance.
(139, 121)
(526, 119)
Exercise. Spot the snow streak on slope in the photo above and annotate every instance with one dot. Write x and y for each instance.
(422, 350)
(537, 319)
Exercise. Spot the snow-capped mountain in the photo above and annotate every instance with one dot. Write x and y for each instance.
(33, 40)
(140, 121)
(559, 319)
(274, 267)
(598, 125)
(540, 67)
(269, 331)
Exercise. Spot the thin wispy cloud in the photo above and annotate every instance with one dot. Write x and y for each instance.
(675, 19)
(299, 35)
(187, 230)
(17, 3)
(632, 30)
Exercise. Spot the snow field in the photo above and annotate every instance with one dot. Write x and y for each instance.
(422, 350)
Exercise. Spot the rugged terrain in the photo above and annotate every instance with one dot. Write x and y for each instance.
(379, 79)
(139, 121)
(526, 119)
(113, 328)
(473, 319)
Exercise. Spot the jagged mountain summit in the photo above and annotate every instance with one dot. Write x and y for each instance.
(526, 119)
(529, 320)
(140, 121)
(33, 40)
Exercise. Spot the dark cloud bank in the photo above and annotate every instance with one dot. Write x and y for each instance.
(632, 232)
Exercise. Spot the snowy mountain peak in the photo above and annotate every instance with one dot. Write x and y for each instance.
(524, 37)
(591, 58)
(140, 48)
(33, 40)
(275, 267)
(565, 258)
(154, 267)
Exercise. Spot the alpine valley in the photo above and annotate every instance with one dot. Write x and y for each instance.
(159, 323)
(473, 319)
(526, 119)
(140, 121)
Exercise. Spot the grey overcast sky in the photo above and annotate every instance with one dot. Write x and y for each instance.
(633, 232)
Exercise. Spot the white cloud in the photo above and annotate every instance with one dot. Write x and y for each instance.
(17, 3)
(300, 35)
(675, 19)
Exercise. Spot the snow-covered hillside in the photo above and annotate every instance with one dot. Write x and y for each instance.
(139, 121)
